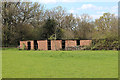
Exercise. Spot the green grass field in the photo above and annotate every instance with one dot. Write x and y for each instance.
(59, 64)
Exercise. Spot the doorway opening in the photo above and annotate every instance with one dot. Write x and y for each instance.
(63, 44)
(29, 45)
(49, 44)
(35, 45)
(78, 42)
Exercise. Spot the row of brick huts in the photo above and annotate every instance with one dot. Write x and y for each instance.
(52, 44)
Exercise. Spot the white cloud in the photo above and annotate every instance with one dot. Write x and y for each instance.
(90, 6)
(49, 1)
(46, 1)
(55, 1)
(116, 14)
(102, 12)
(96, 16)
(69, 0)
(72, 11)
(87, 6)
(114, 9)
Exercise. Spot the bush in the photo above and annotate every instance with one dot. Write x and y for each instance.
(105, 44)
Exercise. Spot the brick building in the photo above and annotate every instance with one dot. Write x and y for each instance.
(52, 44)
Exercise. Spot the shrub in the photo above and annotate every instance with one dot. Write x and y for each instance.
(105, 44)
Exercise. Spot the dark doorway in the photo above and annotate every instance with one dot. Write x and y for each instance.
(29, 45)
(49, 44)
(63, 44)
(35, 45)
(78, 42)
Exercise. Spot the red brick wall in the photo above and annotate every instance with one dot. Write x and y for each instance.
(70, 43)
(85, 42)
(21, 44)
(26, 44)
(42, 45)
(56, 44)
(32, 45)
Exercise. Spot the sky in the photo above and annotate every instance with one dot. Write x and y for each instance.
(93, 8)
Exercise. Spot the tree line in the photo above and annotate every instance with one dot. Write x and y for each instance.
(32, 21)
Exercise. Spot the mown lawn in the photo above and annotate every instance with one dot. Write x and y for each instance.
(59, 64)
